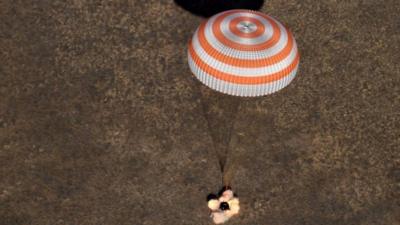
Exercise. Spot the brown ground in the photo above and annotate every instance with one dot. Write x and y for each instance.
(101, 121)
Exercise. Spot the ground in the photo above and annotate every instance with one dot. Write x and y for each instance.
(101, 121)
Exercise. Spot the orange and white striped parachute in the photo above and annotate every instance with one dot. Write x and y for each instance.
(243, 53)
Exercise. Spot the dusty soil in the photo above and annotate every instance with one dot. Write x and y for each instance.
(101, 121)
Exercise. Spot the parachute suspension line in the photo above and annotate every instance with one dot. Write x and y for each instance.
(221, 160)
(222, 156)
(228, 171)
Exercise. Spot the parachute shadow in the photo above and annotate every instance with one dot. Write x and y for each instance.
(207, 8)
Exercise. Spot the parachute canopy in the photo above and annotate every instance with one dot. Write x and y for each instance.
(243, 53)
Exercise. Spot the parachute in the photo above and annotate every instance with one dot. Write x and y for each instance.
(243, 53)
